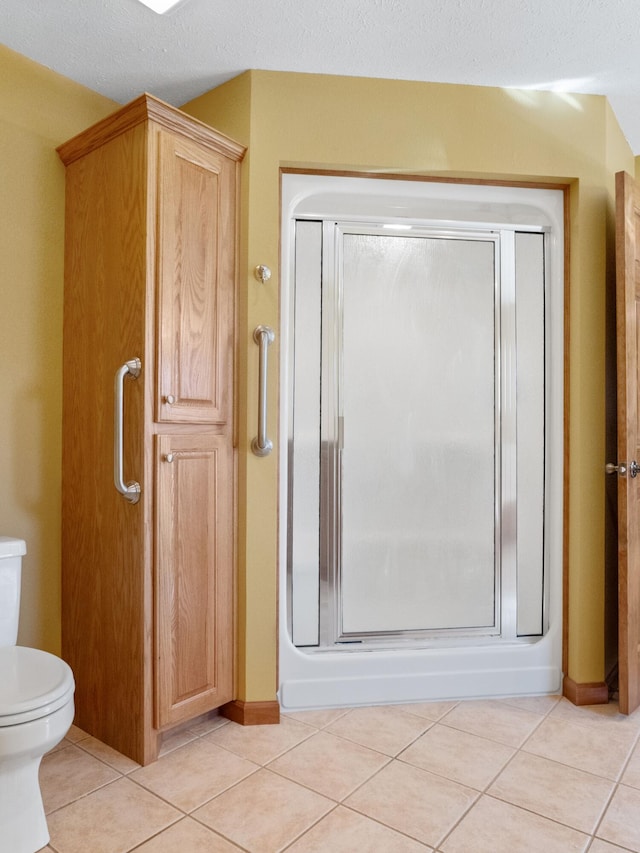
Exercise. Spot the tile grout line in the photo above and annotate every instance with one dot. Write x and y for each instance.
(588, 727)
(484, 792)
(184, 813)
(517, 750)
(616, 786)
(199, 822)
(314, 729)
(339, 802)
(591, 835)
(616, 847)
(336, 803)
(258, 767)
(342, 802)
(122, 776)
(432, 724)
(301, 835)
(93, 790)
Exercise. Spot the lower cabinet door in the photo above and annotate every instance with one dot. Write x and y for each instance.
(194, 570)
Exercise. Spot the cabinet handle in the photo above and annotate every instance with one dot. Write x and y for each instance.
(263, 336)
(129, 491)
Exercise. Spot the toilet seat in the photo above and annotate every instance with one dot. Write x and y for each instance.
(33, 684)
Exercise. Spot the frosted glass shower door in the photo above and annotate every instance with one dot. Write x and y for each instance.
(410, 423)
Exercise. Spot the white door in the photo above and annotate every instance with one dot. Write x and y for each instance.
(417, 444)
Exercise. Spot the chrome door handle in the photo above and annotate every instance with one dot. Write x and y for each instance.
(611, 468)
(633, 468)
(129, 491)
(264, 337)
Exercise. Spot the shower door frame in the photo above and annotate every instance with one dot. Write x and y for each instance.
(446, 667)
(331, 630)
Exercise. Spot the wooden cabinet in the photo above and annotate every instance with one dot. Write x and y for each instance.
(194, 588)
(150, 265)
(195, 305)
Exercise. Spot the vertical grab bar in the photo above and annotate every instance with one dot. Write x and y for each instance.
(129, 491)
(263, 336)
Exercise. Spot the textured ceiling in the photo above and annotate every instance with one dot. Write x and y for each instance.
(121, 48)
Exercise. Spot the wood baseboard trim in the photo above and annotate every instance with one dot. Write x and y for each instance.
(252, 713)
(594, 693)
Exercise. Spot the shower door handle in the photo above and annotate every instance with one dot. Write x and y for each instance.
(129, 491)
(264, 337)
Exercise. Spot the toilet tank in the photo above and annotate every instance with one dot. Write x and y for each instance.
(11, 553)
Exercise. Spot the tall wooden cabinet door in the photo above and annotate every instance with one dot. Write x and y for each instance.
(194, 576)
(195, 257)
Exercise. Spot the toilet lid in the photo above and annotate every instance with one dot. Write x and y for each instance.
(33, 684)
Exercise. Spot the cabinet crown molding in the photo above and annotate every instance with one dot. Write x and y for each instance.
(147, 108)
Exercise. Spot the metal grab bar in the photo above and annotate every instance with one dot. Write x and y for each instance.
(129, 491)
(263, 336)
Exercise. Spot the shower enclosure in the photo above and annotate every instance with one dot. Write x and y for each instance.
(422, 440)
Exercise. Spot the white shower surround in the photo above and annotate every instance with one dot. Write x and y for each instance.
(441, 669)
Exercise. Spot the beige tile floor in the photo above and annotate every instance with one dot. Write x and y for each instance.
(508, 776)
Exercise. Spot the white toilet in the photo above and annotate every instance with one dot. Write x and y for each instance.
(36, 711)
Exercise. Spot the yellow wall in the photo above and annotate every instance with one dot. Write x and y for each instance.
(293, 120)
(435, 129)
(38, 111)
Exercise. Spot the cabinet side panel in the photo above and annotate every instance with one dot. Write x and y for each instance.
(194, 576)
(102, 534)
